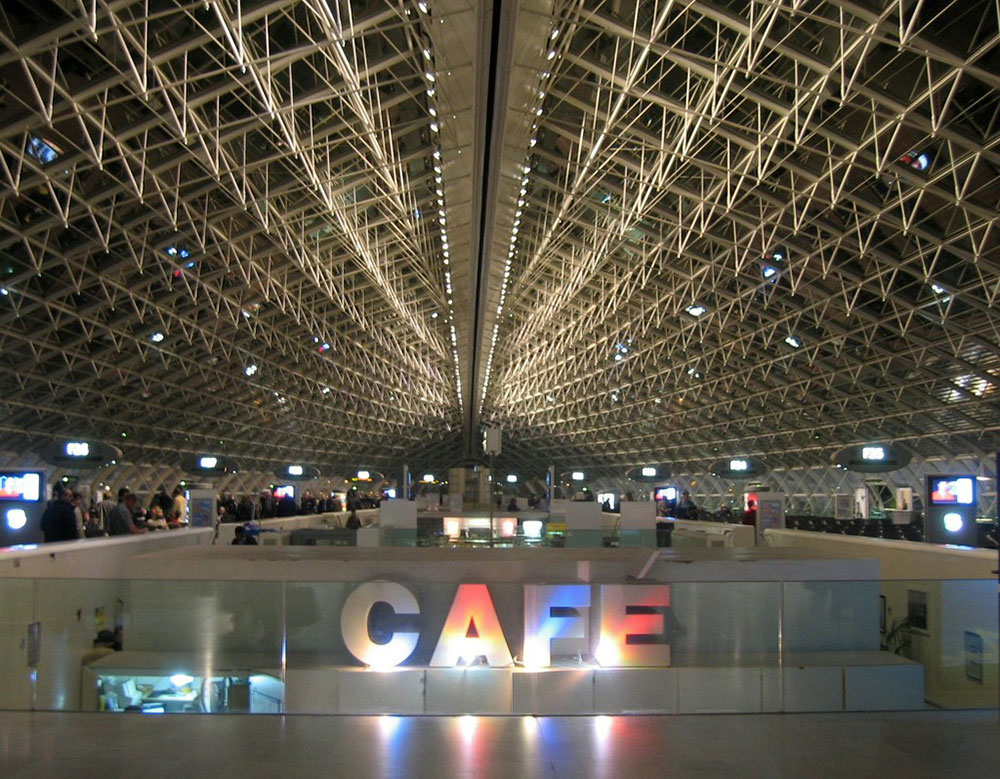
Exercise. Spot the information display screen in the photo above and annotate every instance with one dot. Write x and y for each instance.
(666, 493)
(284, 491)
(21, 486)
(953, 490)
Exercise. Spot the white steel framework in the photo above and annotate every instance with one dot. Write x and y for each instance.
(714, 227)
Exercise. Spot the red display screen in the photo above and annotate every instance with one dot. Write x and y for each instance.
(25, 486)
(953, 490)
(666, 493)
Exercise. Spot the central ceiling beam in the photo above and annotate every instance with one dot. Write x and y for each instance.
(498, 20)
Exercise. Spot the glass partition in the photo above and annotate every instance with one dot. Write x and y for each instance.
(266, 647)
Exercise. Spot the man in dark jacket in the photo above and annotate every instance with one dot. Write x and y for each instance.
(59, 520)
(121, 522)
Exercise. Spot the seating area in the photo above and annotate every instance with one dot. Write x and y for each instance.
(987, 532)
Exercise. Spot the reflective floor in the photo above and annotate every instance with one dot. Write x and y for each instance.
(911, 744)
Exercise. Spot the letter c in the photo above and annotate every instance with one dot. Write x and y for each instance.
(354, 624)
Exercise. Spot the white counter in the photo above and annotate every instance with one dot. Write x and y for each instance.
(93, 558)
(898, 559)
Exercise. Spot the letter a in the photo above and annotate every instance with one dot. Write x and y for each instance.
(471, 630)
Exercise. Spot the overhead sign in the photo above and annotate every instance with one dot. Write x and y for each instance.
(648, 473)
(208, 464)
(873, 458)
(297, 472)
(739, 468)
(78, 453)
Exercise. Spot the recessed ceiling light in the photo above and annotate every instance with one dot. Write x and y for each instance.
(696, 310)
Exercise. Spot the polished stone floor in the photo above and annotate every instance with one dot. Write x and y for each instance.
(912, 744)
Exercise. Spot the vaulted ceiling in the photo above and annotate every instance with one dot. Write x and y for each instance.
(354, 233)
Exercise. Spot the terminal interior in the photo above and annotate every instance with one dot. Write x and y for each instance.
(499, 359)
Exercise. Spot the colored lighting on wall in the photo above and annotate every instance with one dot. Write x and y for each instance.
(632, 626)
(552, 611)
(472, 630)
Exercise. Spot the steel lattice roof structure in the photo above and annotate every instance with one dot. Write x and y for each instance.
(624, 232)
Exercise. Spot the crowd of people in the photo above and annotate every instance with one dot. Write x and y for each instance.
(69, 515)
(250, 508)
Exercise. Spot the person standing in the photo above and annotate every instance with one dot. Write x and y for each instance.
(59, 520)
(685, 507)
(104, 509)
(121, 522)
(179, 507)
(164, 501)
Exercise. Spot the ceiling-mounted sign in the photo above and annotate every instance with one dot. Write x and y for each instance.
(648, 473)
(739, 468)
(208, 464)
(297, 472)
(78, 453)
(873, 458)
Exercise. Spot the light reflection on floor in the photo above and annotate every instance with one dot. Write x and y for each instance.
(911, 744)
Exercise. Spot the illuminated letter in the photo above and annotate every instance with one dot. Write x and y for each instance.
(632, 625)
(471, 630)
(551, 611)
(355, 624)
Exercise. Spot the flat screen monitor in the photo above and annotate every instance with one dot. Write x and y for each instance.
(610, 497)
(284, 491)
(665, 493)
(24, 485)
(953, 490)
